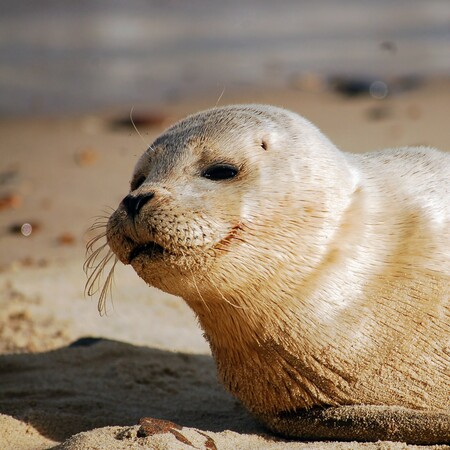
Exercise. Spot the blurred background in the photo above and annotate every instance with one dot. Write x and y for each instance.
(59, 56)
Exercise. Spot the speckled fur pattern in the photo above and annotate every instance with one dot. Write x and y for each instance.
(321, 279)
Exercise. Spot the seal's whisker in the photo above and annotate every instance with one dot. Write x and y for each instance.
(97, 225)
(101, 218)
(108, 210)
(136, 129)
(98, 256)
(210, 281)
(105, 213)
(94, 240)
(198, 291)
(91, 260)
(225, 299)
(93, 281)
(91, 243)
(220, 97)
(194, 282)
(107, 287)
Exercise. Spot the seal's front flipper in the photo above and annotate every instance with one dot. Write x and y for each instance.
(364, 423)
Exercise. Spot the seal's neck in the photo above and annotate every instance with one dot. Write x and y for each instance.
(256, 350)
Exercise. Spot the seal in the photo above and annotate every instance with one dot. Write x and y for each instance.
(320, 278)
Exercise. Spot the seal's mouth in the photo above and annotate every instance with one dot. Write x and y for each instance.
(154, 251)
(150, 249)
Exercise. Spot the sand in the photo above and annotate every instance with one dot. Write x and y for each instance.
(71, 379)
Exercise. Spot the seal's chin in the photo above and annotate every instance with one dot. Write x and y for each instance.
(151, 250)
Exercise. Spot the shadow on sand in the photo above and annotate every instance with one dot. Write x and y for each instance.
(96, 382)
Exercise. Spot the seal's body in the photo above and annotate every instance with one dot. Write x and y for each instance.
(321, 279)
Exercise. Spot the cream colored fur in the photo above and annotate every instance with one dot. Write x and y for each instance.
(320, 278)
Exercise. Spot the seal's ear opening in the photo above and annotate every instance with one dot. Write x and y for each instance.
(264, 144)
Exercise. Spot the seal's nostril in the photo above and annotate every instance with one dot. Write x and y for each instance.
(134, 203)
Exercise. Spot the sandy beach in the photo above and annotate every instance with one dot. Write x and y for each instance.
(71, 379)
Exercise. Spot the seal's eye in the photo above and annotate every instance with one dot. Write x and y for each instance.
(137, 182)
(219, 172)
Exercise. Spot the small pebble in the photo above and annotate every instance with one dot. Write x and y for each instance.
(26, 229)
(11, 201)
(66, 239)
(86, 157)
(142, 120)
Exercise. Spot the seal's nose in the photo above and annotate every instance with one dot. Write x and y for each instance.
(134, 203)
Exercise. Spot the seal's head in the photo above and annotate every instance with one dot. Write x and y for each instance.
(215, 193)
